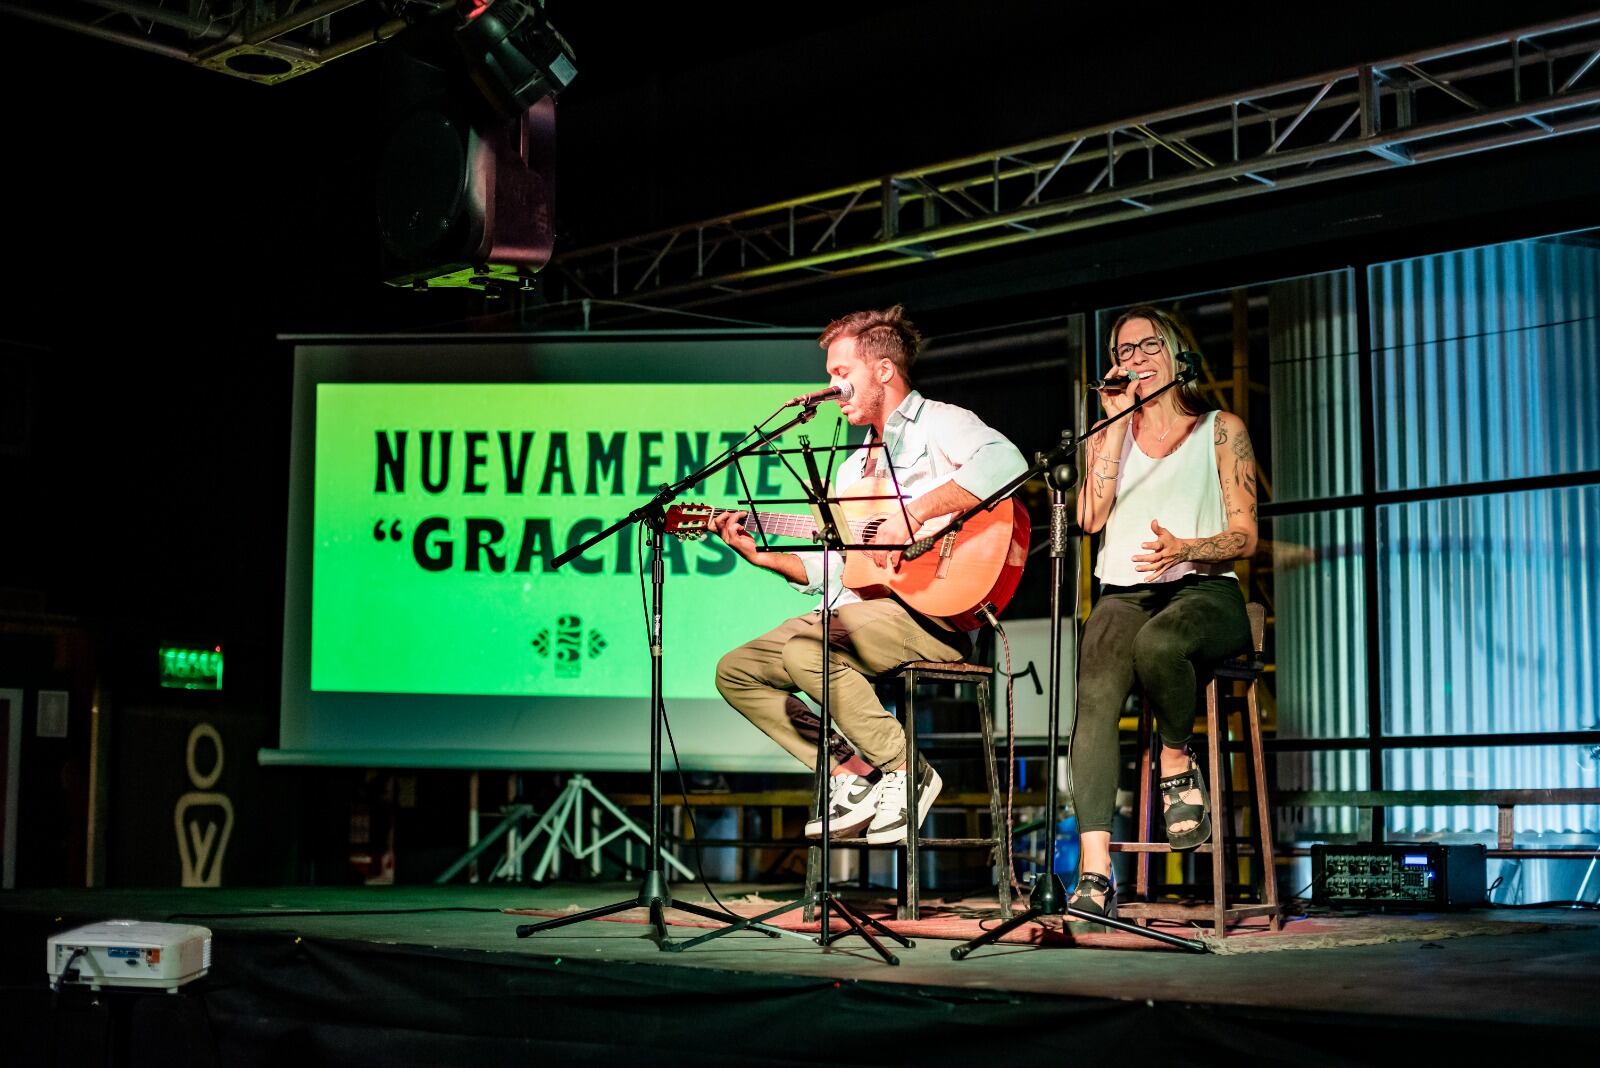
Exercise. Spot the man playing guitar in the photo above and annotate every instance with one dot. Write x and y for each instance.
(945, 460)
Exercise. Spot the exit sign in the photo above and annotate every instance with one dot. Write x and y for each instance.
(188, 668)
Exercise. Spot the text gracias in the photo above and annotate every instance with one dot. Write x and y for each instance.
(504, 461)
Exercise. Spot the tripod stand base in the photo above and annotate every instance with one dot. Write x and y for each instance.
(654, 895)
(564, 823)
(1049, 898)
(859, 923)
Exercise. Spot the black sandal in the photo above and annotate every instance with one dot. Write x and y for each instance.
(1089, 883)
(1176, 810)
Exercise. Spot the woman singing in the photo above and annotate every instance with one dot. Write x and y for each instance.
(1174, 488)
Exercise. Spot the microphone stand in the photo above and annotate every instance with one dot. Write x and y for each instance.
(654, 893)
(1063, 453)
(823, 898)
(1049, 894)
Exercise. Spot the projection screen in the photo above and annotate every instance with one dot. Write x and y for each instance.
(433, 480)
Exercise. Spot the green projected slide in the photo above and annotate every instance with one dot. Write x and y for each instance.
(433, 481)
(439, 507)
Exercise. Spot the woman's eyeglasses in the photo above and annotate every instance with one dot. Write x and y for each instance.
(1150, 346)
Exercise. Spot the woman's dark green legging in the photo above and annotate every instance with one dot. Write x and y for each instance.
(1163, 635)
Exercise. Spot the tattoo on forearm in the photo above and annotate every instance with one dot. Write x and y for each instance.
(1103, 469)
(1222, 547)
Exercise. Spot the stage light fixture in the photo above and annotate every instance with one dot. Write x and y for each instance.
(466, 191)
(514, 55)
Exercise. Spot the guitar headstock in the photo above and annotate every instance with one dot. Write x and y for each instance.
(688, 522)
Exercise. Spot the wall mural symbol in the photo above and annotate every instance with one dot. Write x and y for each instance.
(203, 819)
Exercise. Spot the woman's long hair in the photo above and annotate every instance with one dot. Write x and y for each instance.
(1177, 338)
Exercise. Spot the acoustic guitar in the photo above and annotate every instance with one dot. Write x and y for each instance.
(979, 565)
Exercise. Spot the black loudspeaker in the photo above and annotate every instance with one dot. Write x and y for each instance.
(466, 198)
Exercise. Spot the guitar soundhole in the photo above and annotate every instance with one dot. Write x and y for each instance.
(870, 529)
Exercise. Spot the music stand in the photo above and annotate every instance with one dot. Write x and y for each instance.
(829, 518)
(654, 893)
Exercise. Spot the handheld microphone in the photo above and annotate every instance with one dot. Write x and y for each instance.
(1188, 372)
(843, 391)
(1118, 383)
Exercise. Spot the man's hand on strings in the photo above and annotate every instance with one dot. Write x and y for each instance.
(729, 526)
(892, 531)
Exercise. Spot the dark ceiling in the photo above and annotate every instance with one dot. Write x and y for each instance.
(143, 185)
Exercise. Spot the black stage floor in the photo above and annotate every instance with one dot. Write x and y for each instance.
(354, 976)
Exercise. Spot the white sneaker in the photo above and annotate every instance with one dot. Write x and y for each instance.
(889, 824)
(852, 803)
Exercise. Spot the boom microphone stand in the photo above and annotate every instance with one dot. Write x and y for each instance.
(653, 891)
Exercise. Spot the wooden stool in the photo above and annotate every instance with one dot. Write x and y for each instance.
(910, 674)
(1220, 912)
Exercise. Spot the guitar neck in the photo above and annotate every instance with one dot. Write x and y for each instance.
(784, 525)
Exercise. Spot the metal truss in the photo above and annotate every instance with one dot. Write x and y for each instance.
(1475, 96)
(264, 41)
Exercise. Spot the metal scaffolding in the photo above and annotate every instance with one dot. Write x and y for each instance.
(266, 41)
(1474, 96)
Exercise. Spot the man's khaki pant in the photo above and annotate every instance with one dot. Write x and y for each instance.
(869, 638)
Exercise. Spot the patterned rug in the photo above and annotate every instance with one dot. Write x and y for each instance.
(964, 920)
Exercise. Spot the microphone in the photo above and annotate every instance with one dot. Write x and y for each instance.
(1119, 383)
(1187, 373)
(843, 391)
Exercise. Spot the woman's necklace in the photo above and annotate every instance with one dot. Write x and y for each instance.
(1163, 435)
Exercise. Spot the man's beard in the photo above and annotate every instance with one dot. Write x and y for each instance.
(869, 406)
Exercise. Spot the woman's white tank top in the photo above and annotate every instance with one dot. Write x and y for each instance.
(1183, 492)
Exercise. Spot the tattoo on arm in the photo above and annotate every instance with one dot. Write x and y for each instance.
(1103, 469)
(1244, 467)
(1244, 480)
(1222, 547)
(1100, 480)
(1239, 494)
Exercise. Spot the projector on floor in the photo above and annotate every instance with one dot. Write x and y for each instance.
(129, 953)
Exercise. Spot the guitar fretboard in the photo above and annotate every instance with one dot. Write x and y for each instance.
(790, 526)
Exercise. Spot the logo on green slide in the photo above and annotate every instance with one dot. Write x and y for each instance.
(568, 645)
